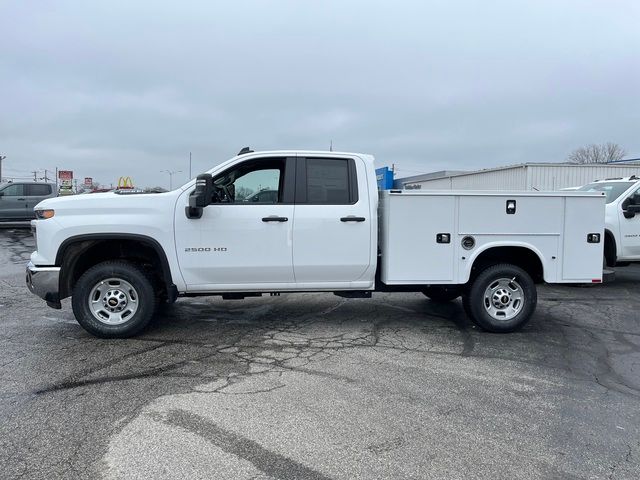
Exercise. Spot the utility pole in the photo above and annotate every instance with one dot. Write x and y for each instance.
(2, 157)
(56, 179)
(35, 173)
(331, 146)
(171, 173)
(190, 177)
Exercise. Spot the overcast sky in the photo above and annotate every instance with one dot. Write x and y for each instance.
(128, 88)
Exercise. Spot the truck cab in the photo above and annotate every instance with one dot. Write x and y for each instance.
(318, 233)
(622, 218)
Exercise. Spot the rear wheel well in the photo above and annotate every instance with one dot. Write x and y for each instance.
(76, 257)
(522, 257)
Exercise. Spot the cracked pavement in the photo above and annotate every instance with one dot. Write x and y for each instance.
(314, 386)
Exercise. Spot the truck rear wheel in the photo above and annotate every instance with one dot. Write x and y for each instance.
(442, 293)
(114, 299)
(501, 299)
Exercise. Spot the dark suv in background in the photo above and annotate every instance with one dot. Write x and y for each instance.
(17, 199)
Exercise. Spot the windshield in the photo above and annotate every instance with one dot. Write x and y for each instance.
(611, 189)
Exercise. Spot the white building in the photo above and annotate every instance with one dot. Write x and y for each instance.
(527, 176)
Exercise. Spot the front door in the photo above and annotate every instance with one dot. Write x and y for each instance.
(244, 238)
(630, 230)
(13, 202)
(333, 226)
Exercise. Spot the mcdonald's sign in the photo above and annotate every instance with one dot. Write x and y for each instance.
(125, 182)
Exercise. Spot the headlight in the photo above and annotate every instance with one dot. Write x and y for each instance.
(44, 214)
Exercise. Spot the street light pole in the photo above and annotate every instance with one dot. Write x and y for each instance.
(171, 172)
(2, 157)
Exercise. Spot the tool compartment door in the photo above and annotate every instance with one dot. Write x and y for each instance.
(411, 253)
(581, 260)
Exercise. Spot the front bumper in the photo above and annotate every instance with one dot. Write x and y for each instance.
(44, 282)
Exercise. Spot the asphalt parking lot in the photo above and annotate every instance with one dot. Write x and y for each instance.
(319, 387)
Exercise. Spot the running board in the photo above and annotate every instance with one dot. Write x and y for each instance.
(353, 293)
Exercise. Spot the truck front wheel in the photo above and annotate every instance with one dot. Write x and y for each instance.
(114, 299)
(501, 299)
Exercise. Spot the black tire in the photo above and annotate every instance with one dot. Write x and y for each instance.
(145, 299)
(442, 293)
(518, 282)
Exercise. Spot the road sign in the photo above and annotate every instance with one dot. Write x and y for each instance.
(384, 177)
(88, 181)
(125, 182)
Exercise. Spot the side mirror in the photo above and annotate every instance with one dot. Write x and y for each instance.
(1, 194)
(201, 196)
(632, 210)
(629, 208)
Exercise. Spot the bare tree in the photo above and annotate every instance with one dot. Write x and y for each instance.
(603, 153)
(243, 192)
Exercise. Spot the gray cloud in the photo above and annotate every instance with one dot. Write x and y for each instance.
(129, 88)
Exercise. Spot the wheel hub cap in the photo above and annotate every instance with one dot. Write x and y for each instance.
(504, 298)
(113, 301)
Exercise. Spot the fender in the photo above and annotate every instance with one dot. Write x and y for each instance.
(471, 260)
(148, 241)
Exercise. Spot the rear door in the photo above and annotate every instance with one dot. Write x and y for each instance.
(332, 224)
(36, 192)
(13, 202)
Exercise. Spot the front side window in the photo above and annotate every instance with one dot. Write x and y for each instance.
(329, 181)
(252, 182)
(15, 190)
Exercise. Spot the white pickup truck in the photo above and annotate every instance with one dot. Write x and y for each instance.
(622, 219)
(328, 229)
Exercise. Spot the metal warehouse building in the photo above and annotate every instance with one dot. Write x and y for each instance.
(527, 176)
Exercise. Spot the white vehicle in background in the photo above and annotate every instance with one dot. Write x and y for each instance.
(326, 228)
(622, 219)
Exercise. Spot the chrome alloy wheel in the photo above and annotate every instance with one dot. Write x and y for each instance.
(504, 298)
(113, 301)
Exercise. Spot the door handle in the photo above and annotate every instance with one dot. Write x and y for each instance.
(274, 218)
(21, 199)
(352, 218)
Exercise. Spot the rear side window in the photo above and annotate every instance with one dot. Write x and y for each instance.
(39, 190)
(331, 181)
(15, 190)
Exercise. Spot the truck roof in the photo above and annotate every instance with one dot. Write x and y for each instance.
(304, 152)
